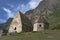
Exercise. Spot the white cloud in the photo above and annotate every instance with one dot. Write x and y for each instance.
(9, 12)
(21, 7)
(30, 5)
(2, 21)
(25, 7)
(34, 3)
(10, 5)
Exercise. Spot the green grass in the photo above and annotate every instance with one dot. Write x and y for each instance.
(42, 35)
(54, 19)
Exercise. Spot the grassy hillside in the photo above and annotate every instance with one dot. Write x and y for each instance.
(42, 35)
(54, 19)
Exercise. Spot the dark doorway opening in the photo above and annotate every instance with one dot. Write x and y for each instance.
(15, 28)
(40, 25)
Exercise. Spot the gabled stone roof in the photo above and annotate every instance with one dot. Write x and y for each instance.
(38, 19)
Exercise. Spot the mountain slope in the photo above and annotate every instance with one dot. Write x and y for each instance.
(45, 6)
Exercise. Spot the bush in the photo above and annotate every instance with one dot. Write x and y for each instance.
(57, 26)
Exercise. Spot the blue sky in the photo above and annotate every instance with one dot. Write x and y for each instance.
(9, 8)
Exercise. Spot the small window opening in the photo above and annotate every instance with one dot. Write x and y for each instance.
(15, 28)
(39, 25)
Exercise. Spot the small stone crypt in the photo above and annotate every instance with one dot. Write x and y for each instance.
(20, 23)
(39, 23)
